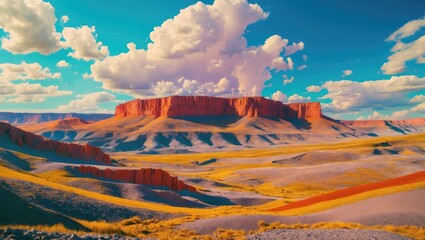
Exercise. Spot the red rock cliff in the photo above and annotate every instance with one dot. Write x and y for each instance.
(176, 106)
(145, 176)
(71, 150)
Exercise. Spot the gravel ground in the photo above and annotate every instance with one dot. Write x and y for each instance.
(74, 205)
(35, 235)
(326, 234)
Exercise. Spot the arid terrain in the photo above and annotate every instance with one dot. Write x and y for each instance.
(243, 173)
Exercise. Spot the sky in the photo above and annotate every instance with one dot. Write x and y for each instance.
(360, 59)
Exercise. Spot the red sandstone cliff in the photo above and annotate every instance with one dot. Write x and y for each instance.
(175, 106)
(145, 176)
(71, 150)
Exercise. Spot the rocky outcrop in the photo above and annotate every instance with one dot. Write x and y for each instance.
(145, 176)
(184, 106)
(68, 123)
(36, 142)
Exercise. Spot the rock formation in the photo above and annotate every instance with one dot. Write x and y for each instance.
(145, 176)
(183, 106)
(36, 142)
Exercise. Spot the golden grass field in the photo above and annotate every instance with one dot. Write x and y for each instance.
(224, 171)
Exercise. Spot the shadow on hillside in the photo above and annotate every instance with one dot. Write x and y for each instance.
(16, 210)
(142, 192)
(217, 121)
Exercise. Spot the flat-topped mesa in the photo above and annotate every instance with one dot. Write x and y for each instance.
(69, 150)
(185, 106)
(144, 176)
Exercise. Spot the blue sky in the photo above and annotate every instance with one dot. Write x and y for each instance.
(222, 48)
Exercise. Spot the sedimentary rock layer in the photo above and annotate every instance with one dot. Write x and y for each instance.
(145, 176)
(36, 142)
(184, 106)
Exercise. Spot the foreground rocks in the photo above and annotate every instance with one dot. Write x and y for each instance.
(184, 106)
(31, 234)
(326, 234)
(69, 150)
(145, 176)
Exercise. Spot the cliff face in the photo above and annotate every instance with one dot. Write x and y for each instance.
(181, 106)
(71, 150)
(145, 176)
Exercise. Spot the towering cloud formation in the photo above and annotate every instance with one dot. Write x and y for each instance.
(30, 26)
(202, 50)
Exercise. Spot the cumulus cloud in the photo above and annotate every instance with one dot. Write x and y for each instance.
(407, 29)
(279, 96)
(298, 99)
(314, 88)
(30, 93)
(404, 52)
(25, 71)
(419, 108)
(295, 47)
(394, 116)
(84, 44)
(62, 64)
(348, 95)
(88, 103)
(418, 99)
(64, 19)
(203, 44)
(347, 72)
(30, 27)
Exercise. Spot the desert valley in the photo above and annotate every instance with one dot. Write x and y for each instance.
(206, 167)
(212, 119)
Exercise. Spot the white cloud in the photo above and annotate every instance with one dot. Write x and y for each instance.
(279, 96)
(347, 72)
(418, 99)
(288, 80)
(295, 47)
(298, 99)
(301, 67)
(314, 88)
(30, 93)
(25, 71)
(30, 27)
(348, 95)
(397, 115)
(88, 103)
(84, 44)
(407, 29)
(62, 64)
(64, 19)
(305, 58)
(419, 108)
(204, 43)
(87, 76)
(404, 52)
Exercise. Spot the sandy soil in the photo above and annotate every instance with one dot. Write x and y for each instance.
(405, 208)
(326, 234)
